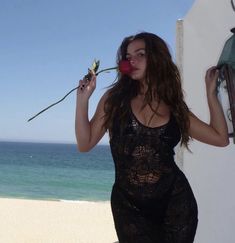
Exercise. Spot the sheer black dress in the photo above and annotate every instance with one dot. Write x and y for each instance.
(152, 201)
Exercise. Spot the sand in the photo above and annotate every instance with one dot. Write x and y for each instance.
(34, 221)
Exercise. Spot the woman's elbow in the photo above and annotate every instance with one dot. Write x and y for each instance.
(83, 148)
(224, 142)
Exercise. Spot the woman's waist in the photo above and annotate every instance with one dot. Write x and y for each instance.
(144, 167)
(149, 186)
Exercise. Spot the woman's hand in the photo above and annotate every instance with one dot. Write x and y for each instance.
(87, 86)
(210, 79)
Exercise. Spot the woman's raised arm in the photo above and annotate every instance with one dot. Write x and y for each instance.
(88, 133)
(216, 132)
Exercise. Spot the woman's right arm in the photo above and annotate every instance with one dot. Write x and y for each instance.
(88, 133)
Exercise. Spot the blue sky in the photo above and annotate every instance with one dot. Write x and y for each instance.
(46, 46)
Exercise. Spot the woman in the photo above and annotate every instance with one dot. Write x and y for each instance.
(146, 117)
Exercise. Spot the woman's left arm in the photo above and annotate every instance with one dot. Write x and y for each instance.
(215, 133)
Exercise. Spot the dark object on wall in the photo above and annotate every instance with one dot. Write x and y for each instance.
(226, 82)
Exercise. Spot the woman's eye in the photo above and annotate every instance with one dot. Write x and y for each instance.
(137, 55)
(141, 54)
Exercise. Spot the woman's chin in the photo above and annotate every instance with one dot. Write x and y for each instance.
(136, 77)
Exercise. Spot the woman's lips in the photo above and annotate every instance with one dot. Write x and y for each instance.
(135, 70)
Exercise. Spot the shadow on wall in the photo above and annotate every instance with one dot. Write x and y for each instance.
(233, 4)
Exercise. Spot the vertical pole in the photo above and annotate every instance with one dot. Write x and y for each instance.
(179, 151)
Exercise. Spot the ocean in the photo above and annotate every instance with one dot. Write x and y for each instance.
(48, 171)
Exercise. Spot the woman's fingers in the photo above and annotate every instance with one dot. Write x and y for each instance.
(211, 78)
(87, 85)
(212, 73)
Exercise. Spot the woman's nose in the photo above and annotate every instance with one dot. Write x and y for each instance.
(132, 60)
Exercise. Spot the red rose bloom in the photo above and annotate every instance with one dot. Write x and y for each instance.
(125, 67)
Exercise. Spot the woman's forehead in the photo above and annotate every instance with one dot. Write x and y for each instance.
(135, 46)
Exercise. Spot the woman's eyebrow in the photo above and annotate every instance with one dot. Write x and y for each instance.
(139, 49)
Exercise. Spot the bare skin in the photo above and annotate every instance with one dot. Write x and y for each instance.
(89, 133)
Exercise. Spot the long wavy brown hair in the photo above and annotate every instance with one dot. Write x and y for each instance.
(163, 82)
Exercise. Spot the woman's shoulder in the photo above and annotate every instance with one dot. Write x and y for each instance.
(103, 99)
(105, 96)
(110, 94)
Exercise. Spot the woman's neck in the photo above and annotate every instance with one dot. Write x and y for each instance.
(143, 89)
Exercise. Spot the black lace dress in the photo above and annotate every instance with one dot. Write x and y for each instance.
(152, 201)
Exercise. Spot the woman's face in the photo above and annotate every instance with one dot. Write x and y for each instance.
(136, 54)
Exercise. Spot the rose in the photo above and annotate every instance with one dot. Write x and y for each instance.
(124, 67)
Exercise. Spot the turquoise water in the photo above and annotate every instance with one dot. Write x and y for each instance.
(55, 172)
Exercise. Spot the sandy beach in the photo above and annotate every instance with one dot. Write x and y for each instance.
(34, 221)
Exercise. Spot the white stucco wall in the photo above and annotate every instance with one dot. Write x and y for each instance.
(210, 170)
